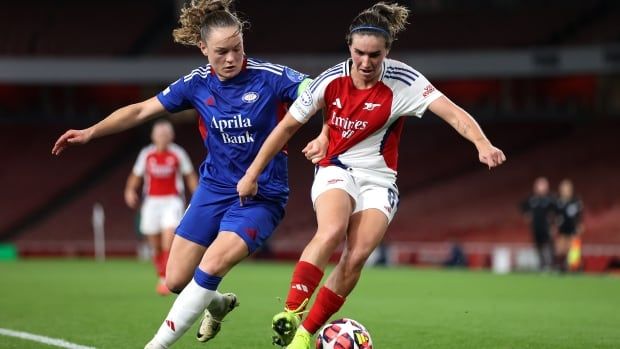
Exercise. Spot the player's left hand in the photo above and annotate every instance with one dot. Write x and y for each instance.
(247, 188)
(316, 149)
(71, 137)
(490, 155)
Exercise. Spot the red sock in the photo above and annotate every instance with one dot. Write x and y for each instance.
(164, 262)
(160, 260)
(306, 278)
(327, 303)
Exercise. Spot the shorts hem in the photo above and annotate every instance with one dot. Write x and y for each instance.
(389, 216)
(157, 232)
(247, 241)
(191, 238)
(335, 188)
(251, 244)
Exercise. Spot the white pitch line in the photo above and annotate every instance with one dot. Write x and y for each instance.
(42, 339)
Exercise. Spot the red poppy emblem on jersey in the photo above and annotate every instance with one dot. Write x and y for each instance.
(210, 101)
(251, 233)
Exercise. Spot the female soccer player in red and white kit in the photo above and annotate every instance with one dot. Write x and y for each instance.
(158, 174)
(354, 191)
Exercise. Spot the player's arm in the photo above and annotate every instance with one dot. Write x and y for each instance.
(191, 181)
(281, 134)
(316, 149)
(187, 170)
(132, 187)
(120, 120)
(467, 126)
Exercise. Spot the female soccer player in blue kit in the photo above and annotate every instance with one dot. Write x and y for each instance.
(239, 101)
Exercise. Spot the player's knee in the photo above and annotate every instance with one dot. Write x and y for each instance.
(156, 249)
(217, 266)
(175, 290)
(357, 259)
(175, 285)
(326, 242)
(176, 281)
(331, 235)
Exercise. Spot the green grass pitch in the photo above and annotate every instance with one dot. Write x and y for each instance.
(114, 305)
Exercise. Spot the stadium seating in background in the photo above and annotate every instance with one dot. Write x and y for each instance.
(482, 207)
(515, 25)
(73, 28)
(32, 176)
(115, 28)
(17, 101)
(67, 228)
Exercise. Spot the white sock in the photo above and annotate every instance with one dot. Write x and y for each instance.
(188, 306)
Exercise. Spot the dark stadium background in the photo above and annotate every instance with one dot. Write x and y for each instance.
(541, 77)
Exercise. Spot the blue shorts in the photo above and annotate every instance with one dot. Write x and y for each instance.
(209, 213)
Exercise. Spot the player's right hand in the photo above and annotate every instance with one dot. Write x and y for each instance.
(71, 137)
(131, 198)
(247, 188)
(316, 149)
(490, 155)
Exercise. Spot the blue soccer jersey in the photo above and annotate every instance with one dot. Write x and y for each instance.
(235, 118)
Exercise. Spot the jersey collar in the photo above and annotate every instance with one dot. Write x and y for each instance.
(348, 66)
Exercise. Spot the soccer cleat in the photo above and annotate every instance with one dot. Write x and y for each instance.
(285, 325)
(212, 320)
(301, 340)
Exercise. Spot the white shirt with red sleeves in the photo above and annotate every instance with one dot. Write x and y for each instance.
(365, 125)
(163, 171)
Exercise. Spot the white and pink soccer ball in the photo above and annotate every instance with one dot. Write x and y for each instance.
(344, 334)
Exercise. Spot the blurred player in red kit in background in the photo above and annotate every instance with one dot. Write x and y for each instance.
(158, 175)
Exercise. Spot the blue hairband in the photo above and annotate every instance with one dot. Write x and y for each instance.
(370, 28)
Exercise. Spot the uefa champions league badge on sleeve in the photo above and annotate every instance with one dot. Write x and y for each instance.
(306, 98)
(294, 75)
